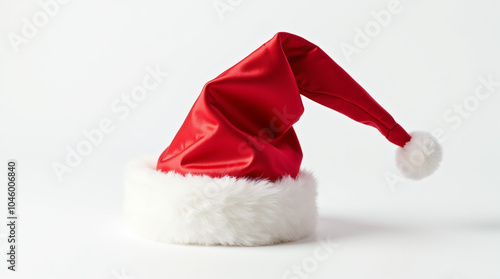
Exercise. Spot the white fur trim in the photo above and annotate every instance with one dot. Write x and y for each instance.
(196, 209)
(420, 157)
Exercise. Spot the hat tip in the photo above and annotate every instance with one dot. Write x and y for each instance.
(420, 157)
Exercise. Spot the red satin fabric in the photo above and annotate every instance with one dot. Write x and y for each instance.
(241, 124)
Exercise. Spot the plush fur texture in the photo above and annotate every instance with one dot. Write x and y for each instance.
(196, 209)
(420, 157)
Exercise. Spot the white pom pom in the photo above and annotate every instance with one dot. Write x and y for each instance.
(420, 157)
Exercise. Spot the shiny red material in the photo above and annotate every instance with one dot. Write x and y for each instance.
(241, 124)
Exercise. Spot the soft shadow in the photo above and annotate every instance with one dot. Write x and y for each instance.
(482, 225)
(335, 228)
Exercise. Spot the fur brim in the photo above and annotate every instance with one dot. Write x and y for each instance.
(197, 209)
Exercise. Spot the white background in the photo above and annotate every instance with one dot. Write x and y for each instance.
(425, 63)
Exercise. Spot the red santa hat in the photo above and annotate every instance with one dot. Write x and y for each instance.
(231, 175)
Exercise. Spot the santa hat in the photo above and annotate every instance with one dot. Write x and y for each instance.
(231, 175)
